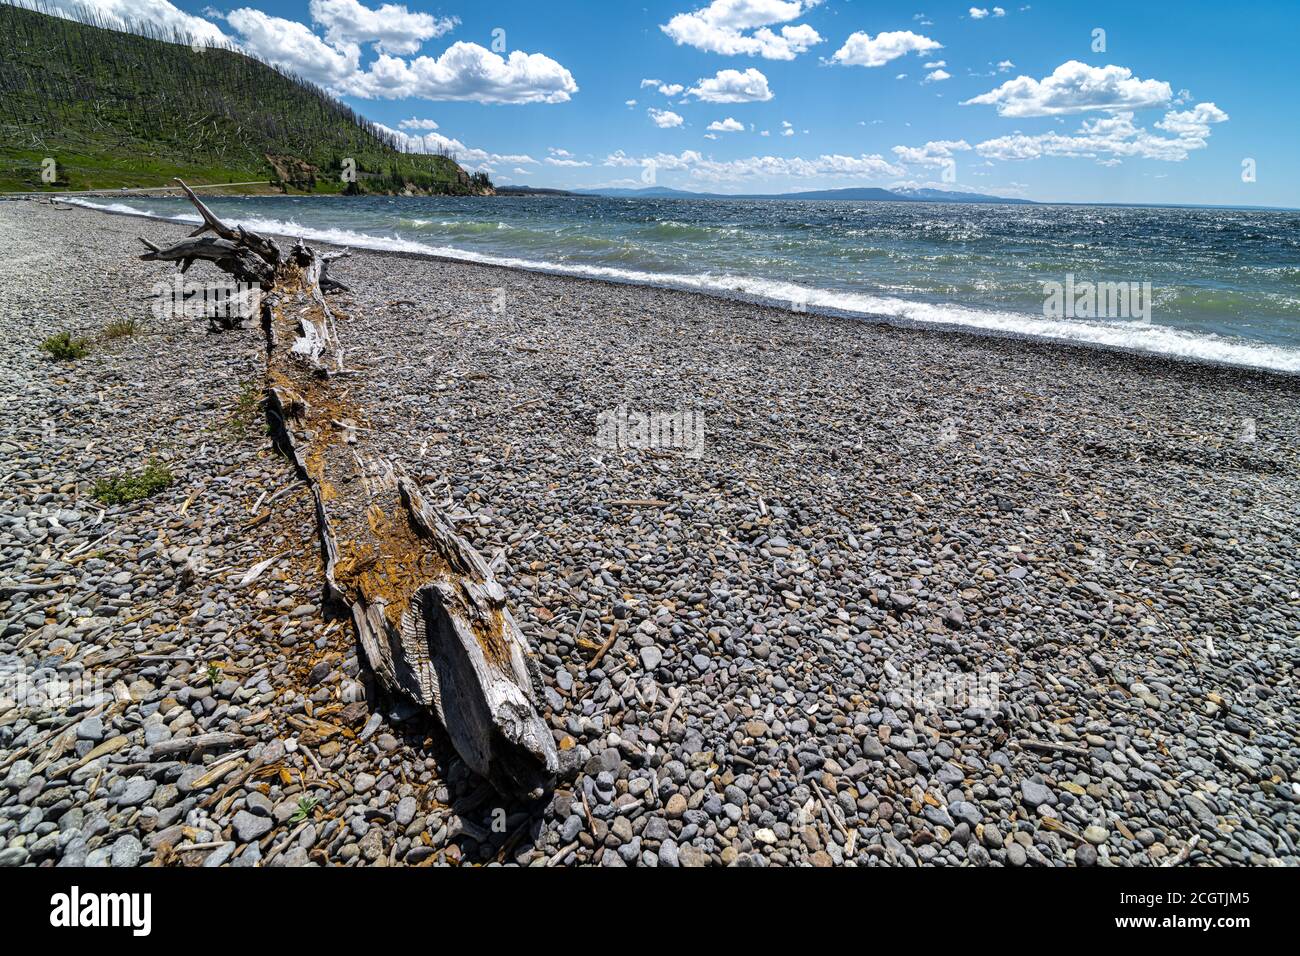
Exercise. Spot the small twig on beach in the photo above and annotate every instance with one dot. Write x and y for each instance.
(586, 809)
(280, 847)
(830, 811)
(677, 696)
(1184, 853)
(604, 648)
(311, 757)
(561, 853)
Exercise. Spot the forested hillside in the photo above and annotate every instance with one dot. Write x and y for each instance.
(118, 109)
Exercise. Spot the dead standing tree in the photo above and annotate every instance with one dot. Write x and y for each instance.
(431, 619)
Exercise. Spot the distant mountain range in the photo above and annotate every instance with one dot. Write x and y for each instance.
(854, 194)
(859, 195)
(532, 191)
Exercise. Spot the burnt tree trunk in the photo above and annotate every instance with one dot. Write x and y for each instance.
(431, 619)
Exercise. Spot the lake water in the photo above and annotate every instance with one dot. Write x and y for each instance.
(1224, 284)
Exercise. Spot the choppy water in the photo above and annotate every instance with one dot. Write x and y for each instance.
(1225, 283)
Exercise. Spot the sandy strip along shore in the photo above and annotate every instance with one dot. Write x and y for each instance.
(923, 598)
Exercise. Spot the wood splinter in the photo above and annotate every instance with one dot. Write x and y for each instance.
(430, 616)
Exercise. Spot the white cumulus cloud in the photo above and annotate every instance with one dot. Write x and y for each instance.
(743, 27)
(562, 157)
(467, 156)
(727, 125)
(1193, 124)
(733, 86)
(861, 49)
(1115, 137)
(1075, 87)
(292, 47)
(392, 28)
(665, 119)
(933, 153)
(467, 71)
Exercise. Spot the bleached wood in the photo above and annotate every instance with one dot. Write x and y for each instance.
(431, 618)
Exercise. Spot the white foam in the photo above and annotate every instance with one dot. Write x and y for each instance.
(1157, 339)
(119, 208)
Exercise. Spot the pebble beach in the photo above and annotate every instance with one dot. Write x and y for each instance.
(921, 598)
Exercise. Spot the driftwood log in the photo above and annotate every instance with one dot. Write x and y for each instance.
(430, 617)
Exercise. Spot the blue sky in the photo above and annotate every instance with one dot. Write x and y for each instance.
(1019, 100)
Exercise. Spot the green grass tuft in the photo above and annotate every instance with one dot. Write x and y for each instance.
(64, 348)
(245, 418)
(122, 328)
(125, 489)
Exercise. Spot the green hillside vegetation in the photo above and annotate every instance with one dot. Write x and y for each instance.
(116, 109)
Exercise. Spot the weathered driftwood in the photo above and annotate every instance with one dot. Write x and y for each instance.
(226, 255)
(431, 619)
